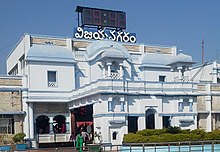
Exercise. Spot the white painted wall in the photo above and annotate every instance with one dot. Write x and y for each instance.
(21, 48)
(38, 77)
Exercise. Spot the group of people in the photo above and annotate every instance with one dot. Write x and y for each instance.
(59, 128)
(83, 136)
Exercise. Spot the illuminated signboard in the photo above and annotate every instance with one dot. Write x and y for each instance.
(119, 36)
(102, 17)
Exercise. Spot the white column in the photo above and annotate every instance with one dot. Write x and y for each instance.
(172, 70)
(25, 108)
(110, 104)
(121, 70)
(190, 105)
(208, 108)
(180, 105)
(159, 121)
(122, 101)
(69, 43)
(215, 72)
(31, 119)
(180, 73)
(190, 69)
(109, 69)
(141, 123)
(103, 71)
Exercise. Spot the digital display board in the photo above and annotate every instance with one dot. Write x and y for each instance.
(102, 17)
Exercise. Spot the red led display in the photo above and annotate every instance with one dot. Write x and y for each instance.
(101, 17)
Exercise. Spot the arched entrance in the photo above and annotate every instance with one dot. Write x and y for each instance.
(150, 118)
(59, 124)
(42, 124)
(82, 120)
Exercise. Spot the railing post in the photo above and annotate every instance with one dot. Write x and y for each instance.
(168, 147)
(112, 85)
(202, 146)
(143, 147)
(145, 87)
(213, 147)
(155, 148)
(130, 149)
(189, 147)
(179, 147)
(127, 87)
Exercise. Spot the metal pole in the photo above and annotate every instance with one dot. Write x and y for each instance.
(202, 146)
(143, 147)
(213, 147)
(203, 51)
(189, 147)
(78, 19)
(168, 147)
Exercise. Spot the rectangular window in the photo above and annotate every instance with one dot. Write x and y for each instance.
(52, 78)
(122, 106)
(180, 107)
(6, 124)
(190, 107)
(162, 78)
(109, 106)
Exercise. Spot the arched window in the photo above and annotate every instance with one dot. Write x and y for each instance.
(114, 135)
(114, 67)
(42, 124)
(59, 124)
(150, 118)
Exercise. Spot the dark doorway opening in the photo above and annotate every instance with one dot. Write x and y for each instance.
(59, 124)
(42, 124)
(82, 120)
(150, 119)
(132, 124)
(166, 121)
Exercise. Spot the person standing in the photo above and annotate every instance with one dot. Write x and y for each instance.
(79, 142)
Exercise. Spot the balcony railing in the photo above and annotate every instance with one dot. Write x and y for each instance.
(48, 138)
(116, 86)
(52, 84)
(181, 79)
(115, 75)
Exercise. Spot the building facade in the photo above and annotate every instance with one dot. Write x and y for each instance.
(107, 88)
(11, 113)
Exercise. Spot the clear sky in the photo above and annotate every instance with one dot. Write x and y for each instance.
(183, 23)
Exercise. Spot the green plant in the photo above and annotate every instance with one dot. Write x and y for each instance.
(150, 132)
(135, 138)
(173, 130)
(199, 132)
(19, 137)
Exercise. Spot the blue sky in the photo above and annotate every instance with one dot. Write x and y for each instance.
(183, 23)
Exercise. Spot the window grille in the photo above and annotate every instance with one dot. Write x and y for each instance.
(6, 125)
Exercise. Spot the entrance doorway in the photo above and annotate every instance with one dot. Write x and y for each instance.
(150, 118)
(166, 121)
(82, 120)
(132, 124)
(42, 124)
(59, 124)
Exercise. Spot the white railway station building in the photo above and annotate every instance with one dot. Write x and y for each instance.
(114, 87)
(110, 87)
